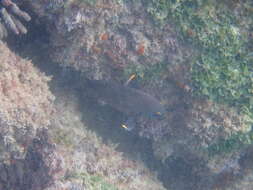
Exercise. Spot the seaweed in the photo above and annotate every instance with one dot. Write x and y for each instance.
(221, 69)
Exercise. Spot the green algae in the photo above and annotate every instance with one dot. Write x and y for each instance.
(146, 72)
(222, 67)
(221, 70)
(93, 2)
(92, 182)
(89, 2)
(235, 142)
(62, 137)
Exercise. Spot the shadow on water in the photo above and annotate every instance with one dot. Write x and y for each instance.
(103, 120)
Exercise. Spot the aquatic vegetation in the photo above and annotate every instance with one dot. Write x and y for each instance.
(90, 2)
(221, 70)
(146, 72)
(94, 2)
(93, 182)
(235, 142)
(63, 138)
(159, 10)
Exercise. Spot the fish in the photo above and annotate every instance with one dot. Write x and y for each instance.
(127, 100)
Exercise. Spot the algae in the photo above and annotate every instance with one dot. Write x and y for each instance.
(92, 182)
(221, 70)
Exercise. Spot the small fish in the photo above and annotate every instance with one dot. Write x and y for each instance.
(124, 126)
(130, 79)
(129, 124)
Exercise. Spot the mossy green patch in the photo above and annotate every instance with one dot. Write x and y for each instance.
(235, 142)
(146, 72)
(89, 2)
(92, 182)
(222, 69)
(93, 2)
(63, 137)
